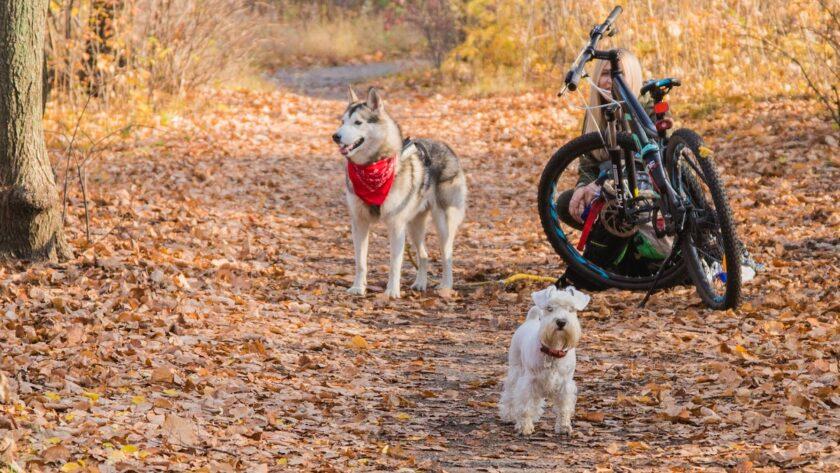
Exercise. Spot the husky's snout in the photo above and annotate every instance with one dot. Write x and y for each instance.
(346, 149)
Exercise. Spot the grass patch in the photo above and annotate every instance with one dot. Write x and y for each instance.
(331, 42)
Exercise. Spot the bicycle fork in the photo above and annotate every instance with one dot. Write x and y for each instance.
(652, 158)
(623, 189)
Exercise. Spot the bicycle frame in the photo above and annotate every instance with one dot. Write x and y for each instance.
(645, 132)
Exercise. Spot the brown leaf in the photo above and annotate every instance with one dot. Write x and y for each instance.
(359, 343)
(5, 390)
(8, 449)
(163, 374)
(596, 417)
(180, 431)
(59, 304)
(75, 334)
(56, 453)
(613, 448)
(745, 466)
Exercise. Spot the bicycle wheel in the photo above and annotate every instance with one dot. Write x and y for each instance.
(709, 245)
(561, 172)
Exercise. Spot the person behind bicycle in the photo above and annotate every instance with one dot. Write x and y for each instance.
(604, 248)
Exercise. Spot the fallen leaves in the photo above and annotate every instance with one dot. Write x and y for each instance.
(8, 449)
(208, 327)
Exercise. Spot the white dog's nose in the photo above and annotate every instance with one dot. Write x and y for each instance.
(560, 324)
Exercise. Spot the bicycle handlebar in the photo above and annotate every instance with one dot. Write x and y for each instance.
(576, 72)
(667, 83)
(611, 19)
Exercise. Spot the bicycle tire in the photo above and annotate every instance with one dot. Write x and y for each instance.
(679, 140)
(580, 270)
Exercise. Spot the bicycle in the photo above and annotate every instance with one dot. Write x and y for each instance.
(687, 202)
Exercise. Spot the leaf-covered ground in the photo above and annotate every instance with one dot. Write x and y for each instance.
(207, 328)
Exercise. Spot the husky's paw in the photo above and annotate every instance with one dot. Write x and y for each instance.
(419, 285)
(563, 429)
(357, 291)
(391, 293)
(525, 427)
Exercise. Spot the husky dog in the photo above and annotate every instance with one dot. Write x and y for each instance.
(401, 184)
(542, 360)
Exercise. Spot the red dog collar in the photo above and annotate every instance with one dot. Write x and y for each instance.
(372, 182)
(553, 353)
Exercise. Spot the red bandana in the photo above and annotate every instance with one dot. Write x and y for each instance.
(372, 182)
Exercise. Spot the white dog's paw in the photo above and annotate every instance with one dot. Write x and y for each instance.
(525, 427)
(392, 293)
(563, 429)
(357, 291)
(505, 414)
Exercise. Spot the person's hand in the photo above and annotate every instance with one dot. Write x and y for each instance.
(581, 198)
(667, 123)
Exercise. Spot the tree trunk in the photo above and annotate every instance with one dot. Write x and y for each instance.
(30, 210)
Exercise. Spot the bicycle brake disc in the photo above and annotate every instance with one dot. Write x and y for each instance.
(611, 217)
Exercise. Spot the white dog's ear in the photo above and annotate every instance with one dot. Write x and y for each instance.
(541, 298)
(579, 299)
(374, 101)
(351, 94)
(534, 313)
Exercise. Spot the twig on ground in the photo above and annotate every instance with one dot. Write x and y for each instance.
(410, 257)
(83, 182)
(68, 153)
(512, 279)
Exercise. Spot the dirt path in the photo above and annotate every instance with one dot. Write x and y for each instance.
(210, 327)
(331, 82)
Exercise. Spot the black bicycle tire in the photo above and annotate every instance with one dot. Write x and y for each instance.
(731, 244)
(579, 271)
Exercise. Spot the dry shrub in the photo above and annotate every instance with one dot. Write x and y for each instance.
(439, 21)
(710, 44)
(120, 50)
(809, 39)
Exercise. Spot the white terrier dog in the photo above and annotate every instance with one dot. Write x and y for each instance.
(541, 361)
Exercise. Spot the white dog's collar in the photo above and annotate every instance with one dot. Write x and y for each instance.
(552, 353)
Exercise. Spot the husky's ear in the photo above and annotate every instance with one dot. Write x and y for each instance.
(352, 94)
(579, 300)
(374, 101)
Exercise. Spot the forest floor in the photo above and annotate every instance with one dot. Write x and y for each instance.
(207, 327)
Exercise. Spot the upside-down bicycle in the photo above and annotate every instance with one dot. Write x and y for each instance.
(686, 204)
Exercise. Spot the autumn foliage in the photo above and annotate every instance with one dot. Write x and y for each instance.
(726, 48)
(202, 324)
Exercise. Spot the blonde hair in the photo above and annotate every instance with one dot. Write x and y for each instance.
(632, 71)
